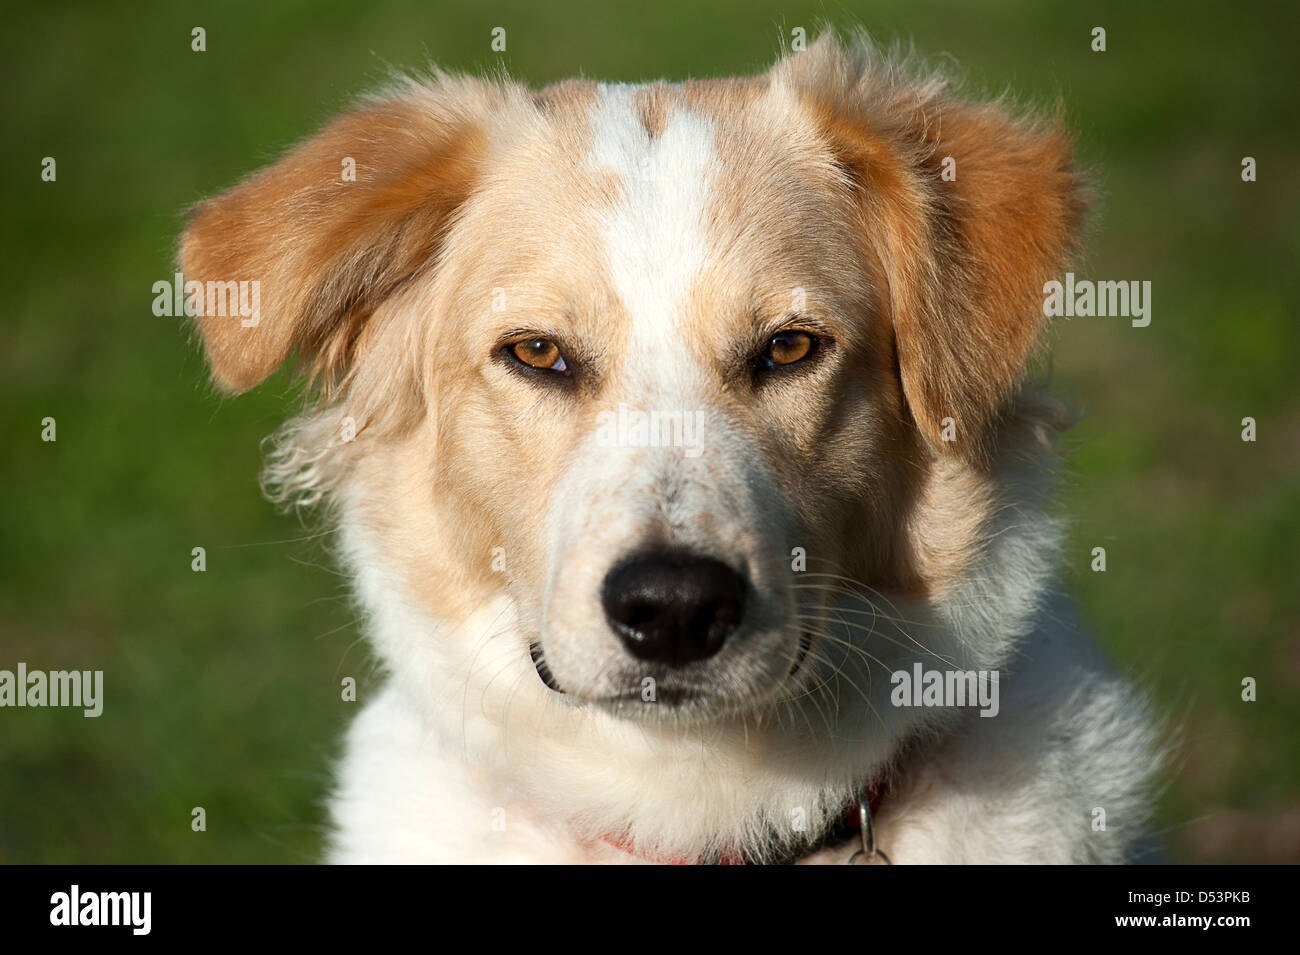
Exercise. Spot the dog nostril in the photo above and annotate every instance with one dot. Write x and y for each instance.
(673, 608)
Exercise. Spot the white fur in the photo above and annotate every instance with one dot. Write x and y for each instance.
(654, 237)
(462, 739)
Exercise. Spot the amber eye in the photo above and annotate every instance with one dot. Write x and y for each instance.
(540, 353)
(786, 348)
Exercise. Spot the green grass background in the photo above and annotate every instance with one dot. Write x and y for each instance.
(222, 688)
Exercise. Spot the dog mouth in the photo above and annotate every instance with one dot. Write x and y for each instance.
(805, 645)
(543, 671)
(670, 695)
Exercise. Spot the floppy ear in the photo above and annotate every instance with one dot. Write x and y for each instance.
(993, 235)
(334, 228)
(967, 211)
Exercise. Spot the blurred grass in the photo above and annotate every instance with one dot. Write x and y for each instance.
(222, 687)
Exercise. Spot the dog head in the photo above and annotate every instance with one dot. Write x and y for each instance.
(691, 373)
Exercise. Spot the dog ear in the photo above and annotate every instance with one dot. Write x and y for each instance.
(334, 228)
(1003, 210)
(967, 212)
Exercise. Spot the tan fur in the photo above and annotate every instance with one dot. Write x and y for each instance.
(964, 261)
(329, 251)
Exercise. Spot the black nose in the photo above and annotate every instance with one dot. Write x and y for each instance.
(673, 608)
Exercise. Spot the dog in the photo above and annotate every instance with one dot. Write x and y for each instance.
(680, 443)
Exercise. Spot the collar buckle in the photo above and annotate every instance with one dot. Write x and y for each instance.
(869, 854)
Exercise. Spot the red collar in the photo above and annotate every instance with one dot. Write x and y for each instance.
(846, 828)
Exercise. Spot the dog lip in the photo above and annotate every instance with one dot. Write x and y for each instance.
(805, 644)
(671, 697)
(667, 696)
(543, 671)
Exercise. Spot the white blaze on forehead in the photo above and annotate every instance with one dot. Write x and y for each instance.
(653, 236)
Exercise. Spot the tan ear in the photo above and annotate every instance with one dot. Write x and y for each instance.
(324, 248)
(963, 259)
(994, 235)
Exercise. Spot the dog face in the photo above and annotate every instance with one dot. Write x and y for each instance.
(685, 371)
(672, 357)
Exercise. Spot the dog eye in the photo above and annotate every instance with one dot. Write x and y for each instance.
(786, 348)
(540, 353)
